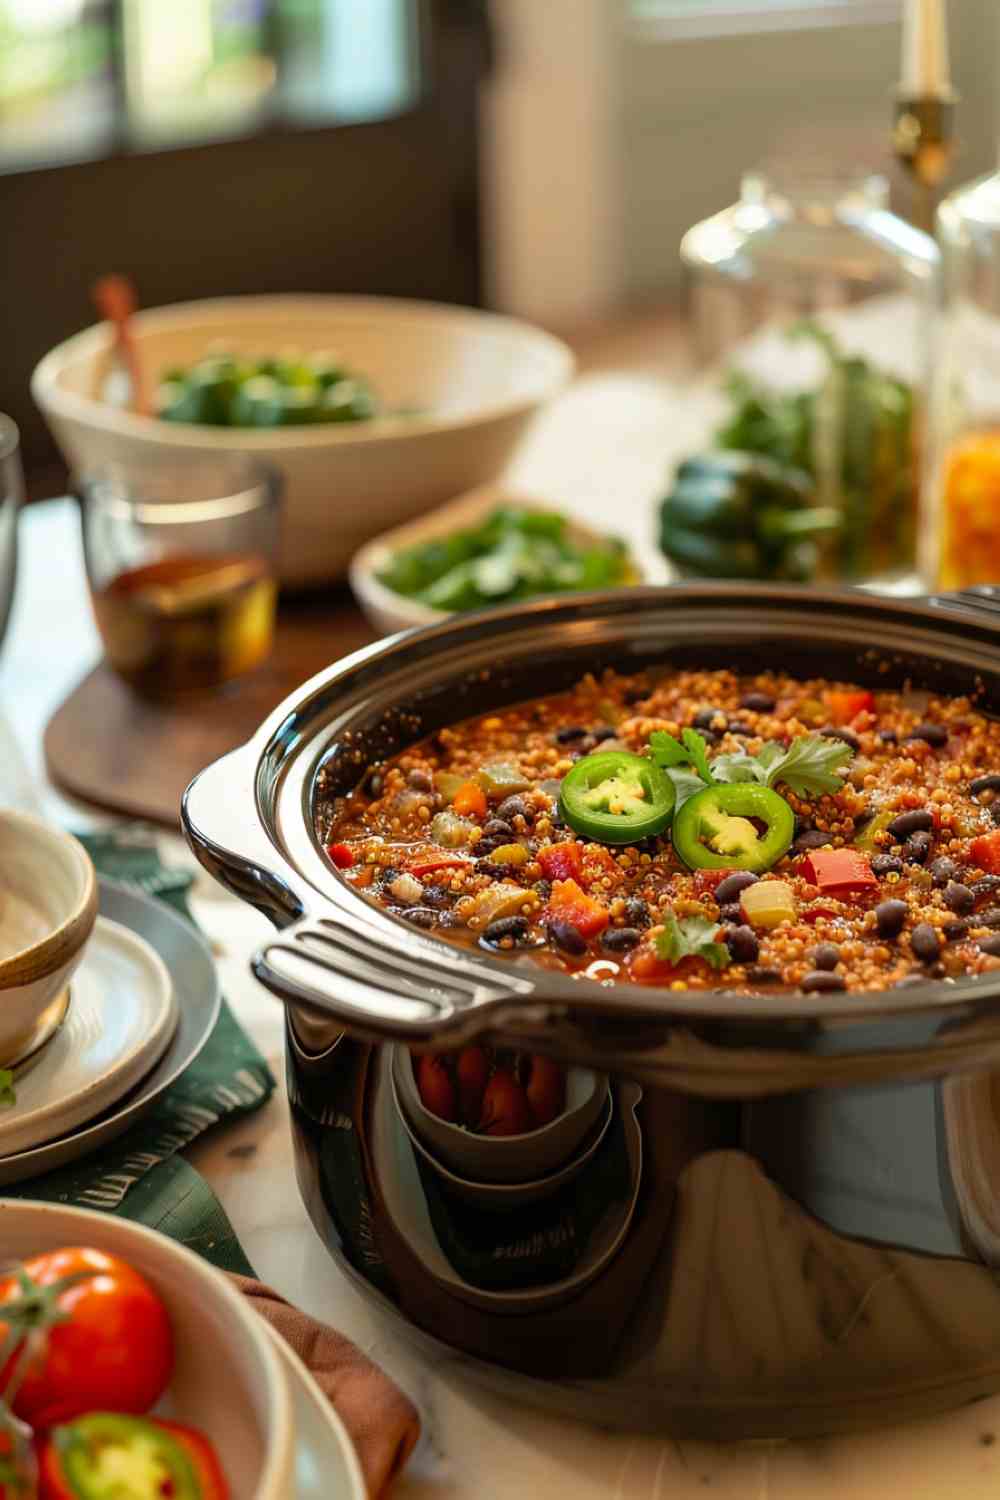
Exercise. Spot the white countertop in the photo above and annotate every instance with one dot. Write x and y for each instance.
(477, 1446)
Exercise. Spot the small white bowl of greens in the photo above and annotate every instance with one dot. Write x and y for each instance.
(487, 547)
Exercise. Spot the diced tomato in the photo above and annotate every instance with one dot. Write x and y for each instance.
(598, 861)
(341, 854)
(469, 801)
(838, 872)
(844, 706)
(570, 904)
(985, 852)
(562, 861)
(705, 881)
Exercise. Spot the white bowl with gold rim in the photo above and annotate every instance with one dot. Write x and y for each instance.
(48, 906)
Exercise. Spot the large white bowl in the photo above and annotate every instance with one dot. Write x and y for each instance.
(48, 906)
(229, 1381)
(475, 378)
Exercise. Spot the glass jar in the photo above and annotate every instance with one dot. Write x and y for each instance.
(813, 301)
(960, 531)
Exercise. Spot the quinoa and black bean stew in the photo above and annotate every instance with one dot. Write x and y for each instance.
(705, 831)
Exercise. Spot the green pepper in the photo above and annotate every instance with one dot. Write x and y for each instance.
(616, 797)
(742, 515)
(866, 838)
(713, 829)
(105, 1454)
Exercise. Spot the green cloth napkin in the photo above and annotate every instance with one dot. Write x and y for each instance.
(141, 1176)
(532, 1244)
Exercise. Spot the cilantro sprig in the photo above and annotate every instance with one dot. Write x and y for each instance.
(691, 937)
(809, 767)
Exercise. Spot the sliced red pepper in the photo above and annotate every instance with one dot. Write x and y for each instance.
(985, 852)
(570, 904)
(105, 1452)
(838, 872)
(813, 913)
(845, 705)
(562, 861)
(204, 1459)
(341, 854)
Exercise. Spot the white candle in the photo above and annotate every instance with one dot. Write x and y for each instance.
(925, 51)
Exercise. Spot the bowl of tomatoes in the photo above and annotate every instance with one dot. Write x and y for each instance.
(130, 1367)
(497, 1114)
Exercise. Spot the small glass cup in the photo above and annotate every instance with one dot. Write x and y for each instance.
(181, 561)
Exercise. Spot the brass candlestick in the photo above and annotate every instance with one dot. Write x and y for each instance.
(923, 140)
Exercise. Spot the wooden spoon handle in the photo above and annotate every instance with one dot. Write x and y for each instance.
(115, 299)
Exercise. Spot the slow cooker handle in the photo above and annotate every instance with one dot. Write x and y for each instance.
(980, 599)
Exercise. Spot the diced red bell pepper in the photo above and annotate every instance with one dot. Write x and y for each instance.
(838, 872)
(812, 914)
(570, 904)
(562, 861)
(845, 705)
(341, 854)
(705, 881)
(985, 852)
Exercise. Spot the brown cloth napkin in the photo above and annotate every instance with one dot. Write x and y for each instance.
(382, 1422)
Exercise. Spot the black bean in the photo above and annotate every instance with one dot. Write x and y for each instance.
(620, 939)
(637, 912)
(820, 981)
(985, 886)
(505, 927)
(420, 916)
(543, 889)
(834, 732)
(605, 732)
(761, 974)
(989, 918)
(990, 944)
(729, 889)
(944, 870)
(738, 727)
(889, 918)
(514, 807)
(567, 937)
(437, 895)
(389, 874)
(955, 929)
(958, 898)
(925, 943)
(497, 828)
(931, 734)
(703, 718)
(825, 956)
(990, 783)
(570, 733)
(910, 822)
(887, 864)
(995, 811)
(917, 849)
(888, 736)
(742, 944)
(811, 838)
(758, 703)
(420, 781)
(938, 971)
(731, 912)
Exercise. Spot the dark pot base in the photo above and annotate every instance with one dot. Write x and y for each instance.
(794, 1267)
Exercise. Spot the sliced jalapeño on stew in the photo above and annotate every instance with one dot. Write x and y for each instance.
(741, 826)
(616, 797)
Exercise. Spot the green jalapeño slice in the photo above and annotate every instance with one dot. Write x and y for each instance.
(616, 797)
(733, 827)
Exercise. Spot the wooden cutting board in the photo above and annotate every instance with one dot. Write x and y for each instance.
(110, 748)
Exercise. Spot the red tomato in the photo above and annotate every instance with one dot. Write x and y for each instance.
(598, 861)
(505, 1106)
(203, 1458)
(570, 904)
(472, 1071)
(114, 1349)
(546, 1090)
(342, 855)
(437, 1091)
(562, 861)
(838, 872)
(985, 852)
(844, 706)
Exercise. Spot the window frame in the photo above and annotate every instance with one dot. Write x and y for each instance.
(670, 22)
